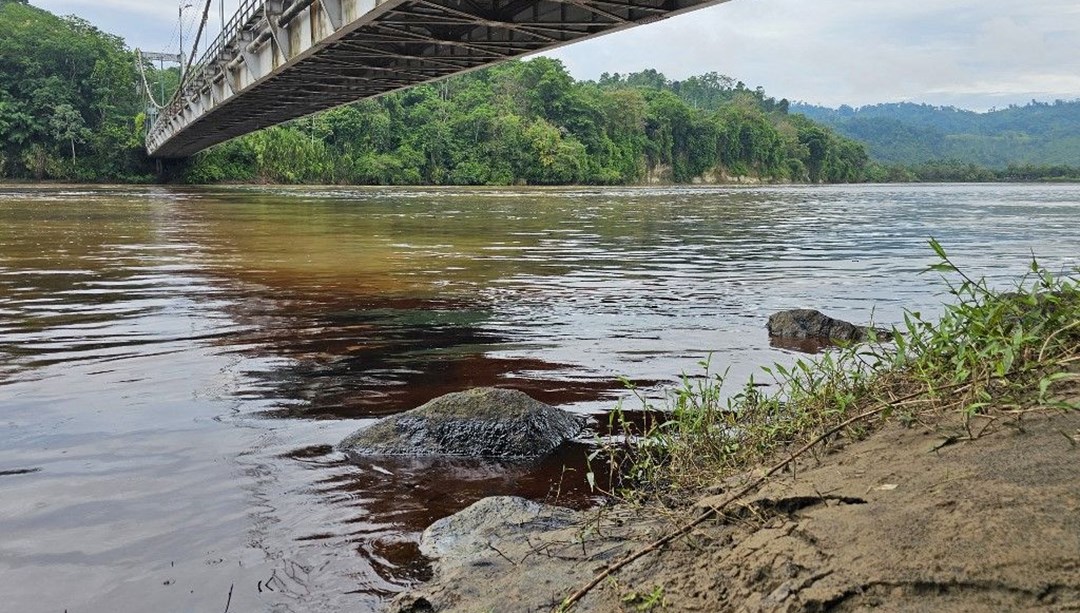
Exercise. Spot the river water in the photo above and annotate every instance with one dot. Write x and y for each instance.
(176, 364)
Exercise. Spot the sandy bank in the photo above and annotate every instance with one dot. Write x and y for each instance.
(909, 519)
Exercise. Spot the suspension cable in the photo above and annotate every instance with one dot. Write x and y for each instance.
(145, 83)
(194, 50)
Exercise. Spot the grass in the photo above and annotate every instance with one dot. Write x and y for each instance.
(991, 356)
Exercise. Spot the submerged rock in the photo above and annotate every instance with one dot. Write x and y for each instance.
(808, 324)
(459, 538)
(481, 423)
(472, 549)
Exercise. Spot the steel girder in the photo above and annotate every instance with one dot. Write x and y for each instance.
(279, 60)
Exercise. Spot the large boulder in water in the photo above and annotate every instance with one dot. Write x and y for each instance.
(808, 324)
(480, 423)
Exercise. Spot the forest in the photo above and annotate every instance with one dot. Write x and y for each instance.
(1035, 134)
(70, 110)
(73, 108)
(530, 122)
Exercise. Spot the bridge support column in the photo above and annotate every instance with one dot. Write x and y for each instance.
(168, 171)
(251, 61)
(224, 64)
(273, 10)
(333, 11)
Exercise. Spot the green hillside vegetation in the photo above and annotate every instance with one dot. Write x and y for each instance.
(531, 122)
(70, 110)
(1038, 134)
(68, 105)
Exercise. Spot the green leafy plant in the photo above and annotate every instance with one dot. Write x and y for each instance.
(645, 601)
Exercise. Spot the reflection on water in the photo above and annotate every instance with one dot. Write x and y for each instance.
(176, 364)
(382, 357)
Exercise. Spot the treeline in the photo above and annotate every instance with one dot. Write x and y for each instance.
(68, 100)
(71, 110)
(1038, 134)
(957, 171)
(531, 122)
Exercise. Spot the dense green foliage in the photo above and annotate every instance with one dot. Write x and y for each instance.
(531, 122)
(955, 171)
(1038, 134)
(71, 109)
(68, 103)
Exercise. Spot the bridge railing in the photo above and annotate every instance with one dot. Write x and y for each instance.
(246, 10)
(231, 31)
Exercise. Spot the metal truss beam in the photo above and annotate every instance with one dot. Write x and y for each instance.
(278, 60)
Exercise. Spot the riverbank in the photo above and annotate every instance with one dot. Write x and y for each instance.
(896, 521)
(941, 476)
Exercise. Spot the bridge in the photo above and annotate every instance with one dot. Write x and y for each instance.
(277, 60)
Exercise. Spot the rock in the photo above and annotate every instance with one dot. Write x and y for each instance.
(474, 551)
(808, 324)
(481, 423)
(1003, 536)
(472, 532)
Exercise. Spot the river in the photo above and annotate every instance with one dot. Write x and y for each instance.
(176, 364)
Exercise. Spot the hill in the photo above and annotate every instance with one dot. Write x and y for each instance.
(1039, 133)
(530, 122)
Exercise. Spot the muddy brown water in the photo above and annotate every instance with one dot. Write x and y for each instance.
(177, 364)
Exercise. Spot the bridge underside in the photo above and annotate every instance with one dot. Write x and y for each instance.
(289, 59)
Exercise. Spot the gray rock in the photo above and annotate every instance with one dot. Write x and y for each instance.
(481, 423)
(474, 551)
(808, 324)
(472, 532)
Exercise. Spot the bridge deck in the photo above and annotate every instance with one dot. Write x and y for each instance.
(279, 60)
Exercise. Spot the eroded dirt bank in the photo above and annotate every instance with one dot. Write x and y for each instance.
(909, 519)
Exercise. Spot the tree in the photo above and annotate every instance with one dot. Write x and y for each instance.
(64, 83)
(67, 124)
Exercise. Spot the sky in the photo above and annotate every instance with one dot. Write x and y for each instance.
(975, 54)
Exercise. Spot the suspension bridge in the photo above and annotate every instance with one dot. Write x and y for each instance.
(277, 60)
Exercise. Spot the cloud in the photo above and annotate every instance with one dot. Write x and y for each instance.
(971, 53)
(144, 24)
(131, 9)
(965, 52)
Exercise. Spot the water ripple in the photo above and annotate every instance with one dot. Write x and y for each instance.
(176, 364)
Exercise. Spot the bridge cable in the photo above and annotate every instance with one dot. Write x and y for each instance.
(145, 83)
(194, 49)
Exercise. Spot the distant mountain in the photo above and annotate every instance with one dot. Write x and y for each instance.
(906, 133)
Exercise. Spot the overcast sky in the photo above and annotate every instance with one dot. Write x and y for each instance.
(970, 53)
